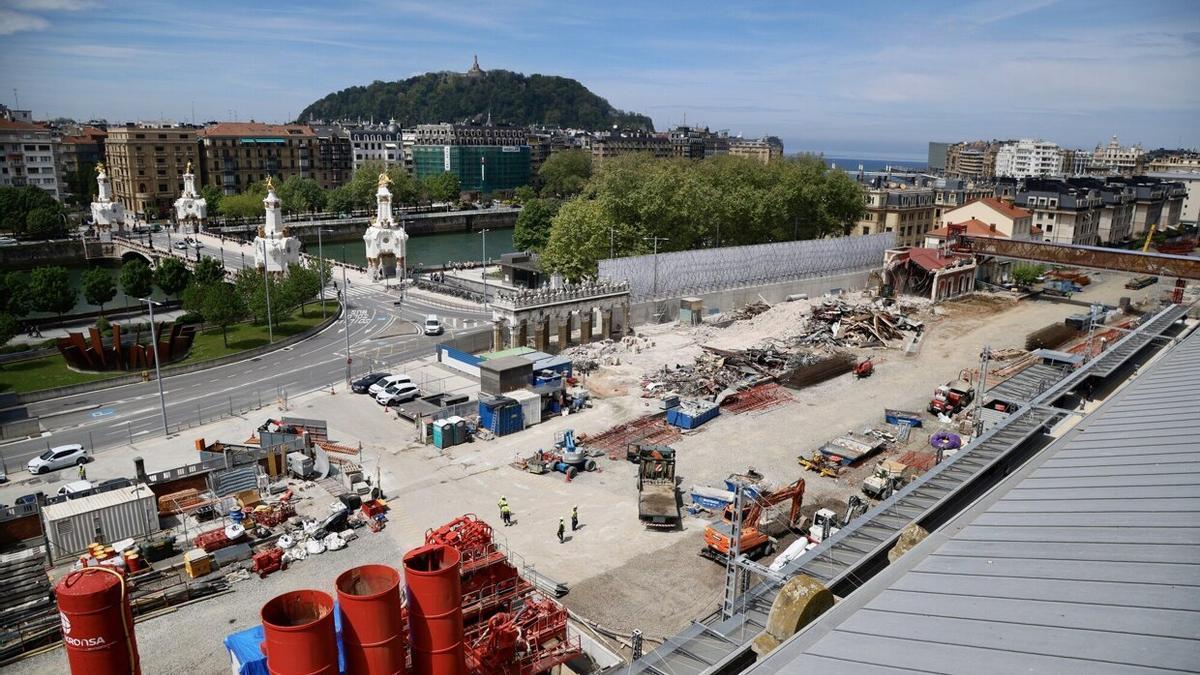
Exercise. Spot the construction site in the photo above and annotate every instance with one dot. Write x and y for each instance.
(683, 497)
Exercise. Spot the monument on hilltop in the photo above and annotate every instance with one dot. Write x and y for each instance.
(385, 238)
(190, 207)
(106, 212)
(274, 249)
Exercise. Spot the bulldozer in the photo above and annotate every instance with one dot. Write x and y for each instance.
(755, 543)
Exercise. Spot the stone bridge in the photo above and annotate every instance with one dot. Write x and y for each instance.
(529, 313)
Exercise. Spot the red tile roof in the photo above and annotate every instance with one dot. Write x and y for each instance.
(1004, 208)
(975, 227)
(932, 259)
(236, 129)
(14, 124)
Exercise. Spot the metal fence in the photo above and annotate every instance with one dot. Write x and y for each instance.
(669, 275)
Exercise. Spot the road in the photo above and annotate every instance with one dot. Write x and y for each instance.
(384, 330)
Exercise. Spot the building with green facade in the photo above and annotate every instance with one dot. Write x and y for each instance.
(480, 168)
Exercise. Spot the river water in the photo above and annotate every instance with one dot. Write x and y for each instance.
(428, 249)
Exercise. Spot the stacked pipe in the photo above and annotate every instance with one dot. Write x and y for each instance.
(433, 581)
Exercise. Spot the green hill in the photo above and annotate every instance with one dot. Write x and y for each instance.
(512, 98)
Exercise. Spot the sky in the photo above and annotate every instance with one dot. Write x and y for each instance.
(859, 79)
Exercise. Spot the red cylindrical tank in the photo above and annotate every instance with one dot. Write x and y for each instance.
(97, 624)
(435, 620)
(298, 634)
(372, 620)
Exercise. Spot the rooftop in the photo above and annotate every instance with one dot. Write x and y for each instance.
(975, 227)
(255, 129)
(1080, 562)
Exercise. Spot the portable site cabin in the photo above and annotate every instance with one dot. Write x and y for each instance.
(105, 517)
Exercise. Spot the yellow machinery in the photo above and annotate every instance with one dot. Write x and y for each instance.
(1149, 237)
(819, 463)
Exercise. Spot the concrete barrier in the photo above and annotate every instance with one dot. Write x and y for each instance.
(180, 369)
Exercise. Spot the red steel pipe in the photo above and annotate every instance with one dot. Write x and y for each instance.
(298, 634)
(435, 616)
(372, 620)
(97, 624)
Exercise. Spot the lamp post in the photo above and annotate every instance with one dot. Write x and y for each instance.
(321, 267)
(162, 400)
(267, 290)
(654, 292)
(346, 313)
(483, 274)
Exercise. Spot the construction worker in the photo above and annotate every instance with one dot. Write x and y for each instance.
(574, 518)
(562, 529)
(82, 472)
(505, 512)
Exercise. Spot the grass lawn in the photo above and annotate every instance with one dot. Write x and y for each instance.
(52, 371)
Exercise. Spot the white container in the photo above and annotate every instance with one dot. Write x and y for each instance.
(114, 515)
(531, 405)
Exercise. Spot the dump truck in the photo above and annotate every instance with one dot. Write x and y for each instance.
(755, 542)
(658, 499)
(887, 475)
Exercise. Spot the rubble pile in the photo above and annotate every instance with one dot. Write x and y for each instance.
(588, 357)
(840, 324)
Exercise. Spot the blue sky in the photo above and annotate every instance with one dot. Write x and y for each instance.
(859, 79)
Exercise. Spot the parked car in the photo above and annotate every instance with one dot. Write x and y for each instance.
(28, 499)
(58, 458)
(432, 325)
(74, 488)
(399, 394)
(386, 382)
(362, 384)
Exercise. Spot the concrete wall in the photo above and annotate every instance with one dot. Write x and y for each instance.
(32, 254)
(668, 310)
(414, 224)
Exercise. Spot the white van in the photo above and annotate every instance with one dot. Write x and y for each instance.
(432, 325)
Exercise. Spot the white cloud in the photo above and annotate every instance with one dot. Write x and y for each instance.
(18, 22)
(52, 5)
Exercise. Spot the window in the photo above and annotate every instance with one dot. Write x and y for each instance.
(162, 187)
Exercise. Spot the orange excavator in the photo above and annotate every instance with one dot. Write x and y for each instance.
(754, 542)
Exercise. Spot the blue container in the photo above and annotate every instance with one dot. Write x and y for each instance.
(501, 416)
(690, 417)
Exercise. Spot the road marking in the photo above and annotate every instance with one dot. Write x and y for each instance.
(102, 413)
(141, 433)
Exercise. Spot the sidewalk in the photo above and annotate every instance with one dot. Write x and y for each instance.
(82, 326)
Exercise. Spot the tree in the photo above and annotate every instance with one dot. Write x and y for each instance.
(136, 279)
(340, 200)
(98, 287)
(81, 183)
(208, 271)
(364, 185)
(524, 194)
(8, 328)
(51, 290)
(578, 239)
(172, 276)
(249, 284)
(17, 202)
(45, 223)
(532, 230)
(15, 298)
(300, 195)
(565, 173)
(222, 306)
(212, 198)
(301, 285)
(443, 187)
(1026, 274)
(246, 204)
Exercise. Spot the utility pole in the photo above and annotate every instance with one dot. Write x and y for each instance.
(483, 239)
(321, 268)
(162, 400)
(654, 292)
(346, 314)
(267, 290)
(984, 357)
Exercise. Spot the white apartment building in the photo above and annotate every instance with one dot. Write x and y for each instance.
(1029, 158)
(27, 153)
(376, 143)
(1117, 159)
(1190, 209)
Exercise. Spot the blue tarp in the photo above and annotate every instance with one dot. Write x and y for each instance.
(244, 645)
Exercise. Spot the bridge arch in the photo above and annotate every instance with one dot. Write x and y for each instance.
(136, 255)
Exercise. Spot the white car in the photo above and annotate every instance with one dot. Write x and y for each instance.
(387, 382)
(432, 325)
(58, 458)
(72, 489)
(180, 245)
(398, 394)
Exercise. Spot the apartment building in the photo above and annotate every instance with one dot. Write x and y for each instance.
(1066, 213)
(1189, 206)
(376, 143)
(1011, 221)
(27, 154)
(974, 159)
(1115, 159)
(80, 148)
(1155, 202)
(903, 204)
(951, 193)
(617, 143)
(238, 154)
(469, 134)
(335, 155)
(1163, 162)
(765, 150)
(1029, 158)
(146, 164)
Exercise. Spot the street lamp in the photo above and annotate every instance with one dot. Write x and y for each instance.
(654, 292)
(483, 239)
(321, 267)
(162, 400)
(267, 290)
(345, 293)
